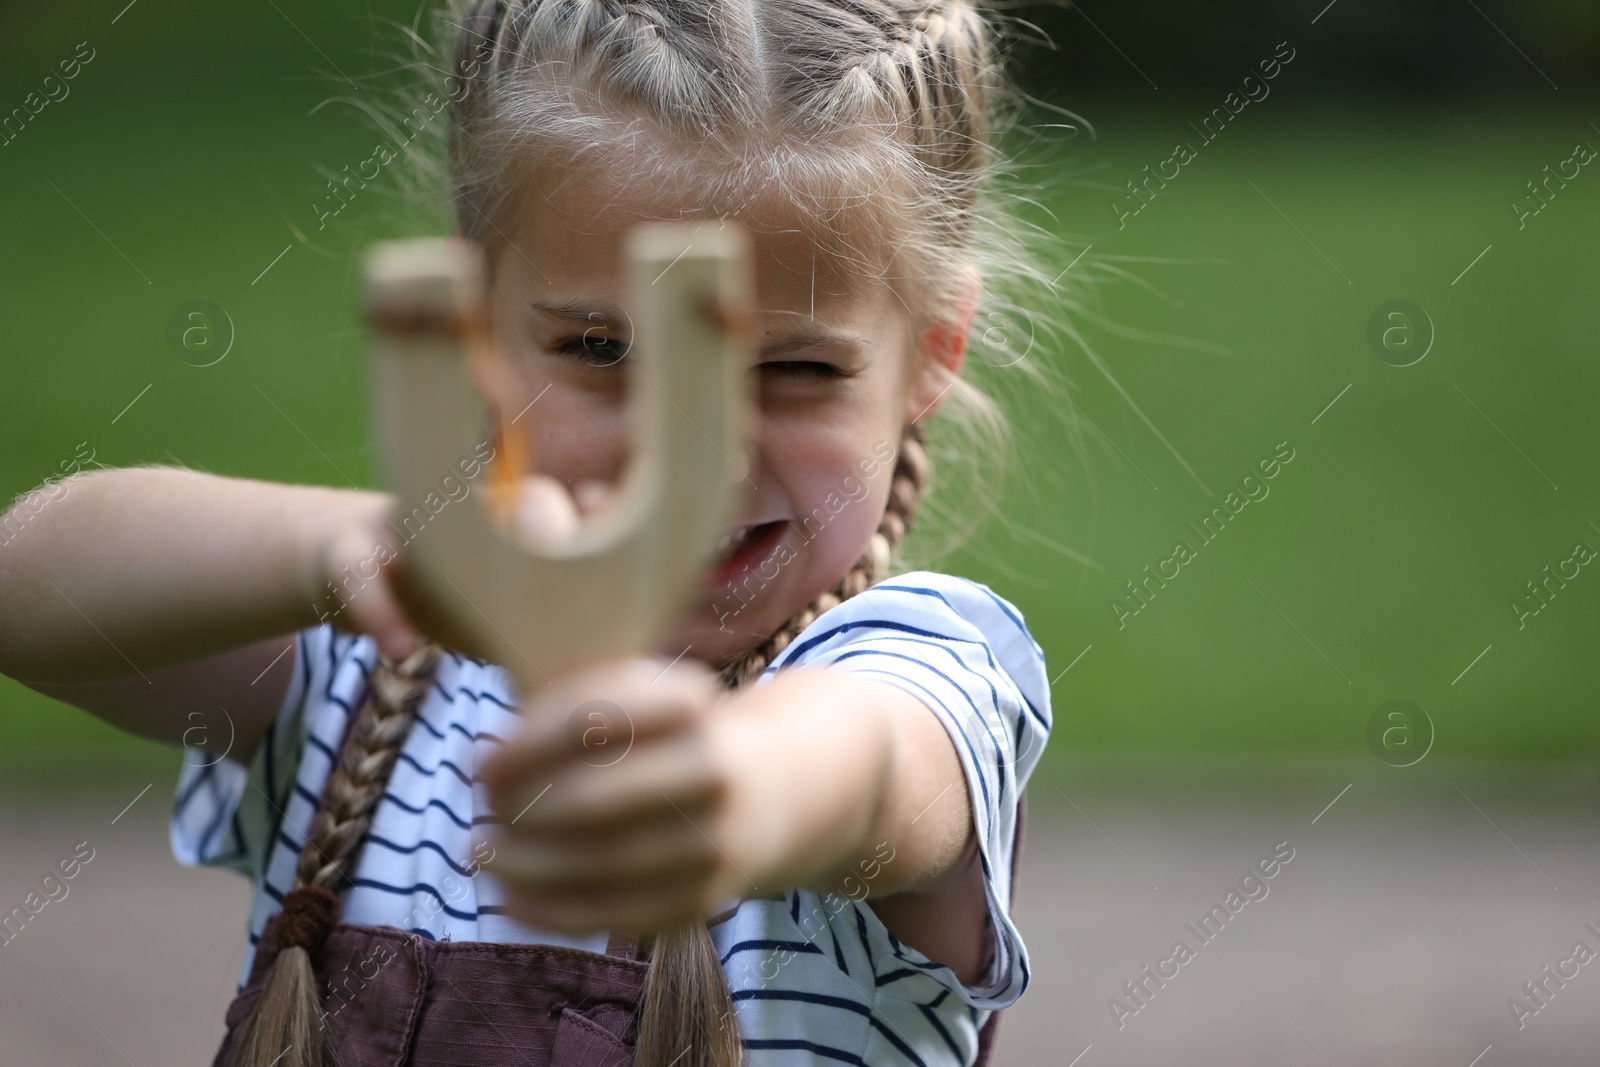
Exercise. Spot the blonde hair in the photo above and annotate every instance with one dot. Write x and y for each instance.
(876, 119)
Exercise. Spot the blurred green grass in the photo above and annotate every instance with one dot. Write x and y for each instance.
(1381, 564)
(1385, 559)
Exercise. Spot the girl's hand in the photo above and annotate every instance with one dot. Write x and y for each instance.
(360, 561)
(545, 513)
(616, 796)
(361, 565)
(638, 798)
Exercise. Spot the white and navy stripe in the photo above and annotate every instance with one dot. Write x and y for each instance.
(816, 980)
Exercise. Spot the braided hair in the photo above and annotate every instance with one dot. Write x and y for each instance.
(887, 96)
(286, 1025)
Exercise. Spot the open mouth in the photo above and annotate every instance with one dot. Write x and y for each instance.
(743, 547)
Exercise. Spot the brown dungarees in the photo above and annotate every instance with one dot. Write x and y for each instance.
(395, 999)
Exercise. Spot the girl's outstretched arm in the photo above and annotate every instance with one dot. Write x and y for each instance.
(143, 594)
(853, 787)
(665, 800)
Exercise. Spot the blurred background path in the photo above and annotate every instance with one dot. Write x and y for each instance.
(1412, 910)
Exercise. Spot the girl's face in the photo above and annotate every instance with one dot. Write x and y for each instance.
(838, 374)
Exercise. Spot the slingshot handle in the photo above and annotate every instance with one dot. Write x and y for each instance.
(612, 589)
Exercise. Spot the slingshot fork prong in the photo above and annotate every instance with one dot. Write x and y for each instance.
(615, 587)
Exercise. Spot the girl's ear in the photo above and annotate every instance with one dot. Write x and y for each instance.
(942, 348)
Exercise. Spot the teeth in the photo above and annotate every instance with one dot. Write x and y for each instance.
(734, 539)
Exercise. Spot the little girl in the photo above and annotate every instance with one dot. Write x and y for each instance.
(815, 791)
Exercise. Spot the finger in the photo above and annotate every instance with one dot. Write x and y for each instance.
(592, 735)
(650, 784)
(596, 718)
(649, 909)
(364, 599)
(592, 496)
(384, 616)
(608, 863)
(544, 511)
(396, 639)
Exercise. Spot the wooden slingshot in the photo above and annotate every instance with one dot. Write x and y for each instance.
(625, 575)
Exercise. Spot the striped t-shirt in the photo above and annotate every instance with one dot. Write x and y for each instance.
(816, 978)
